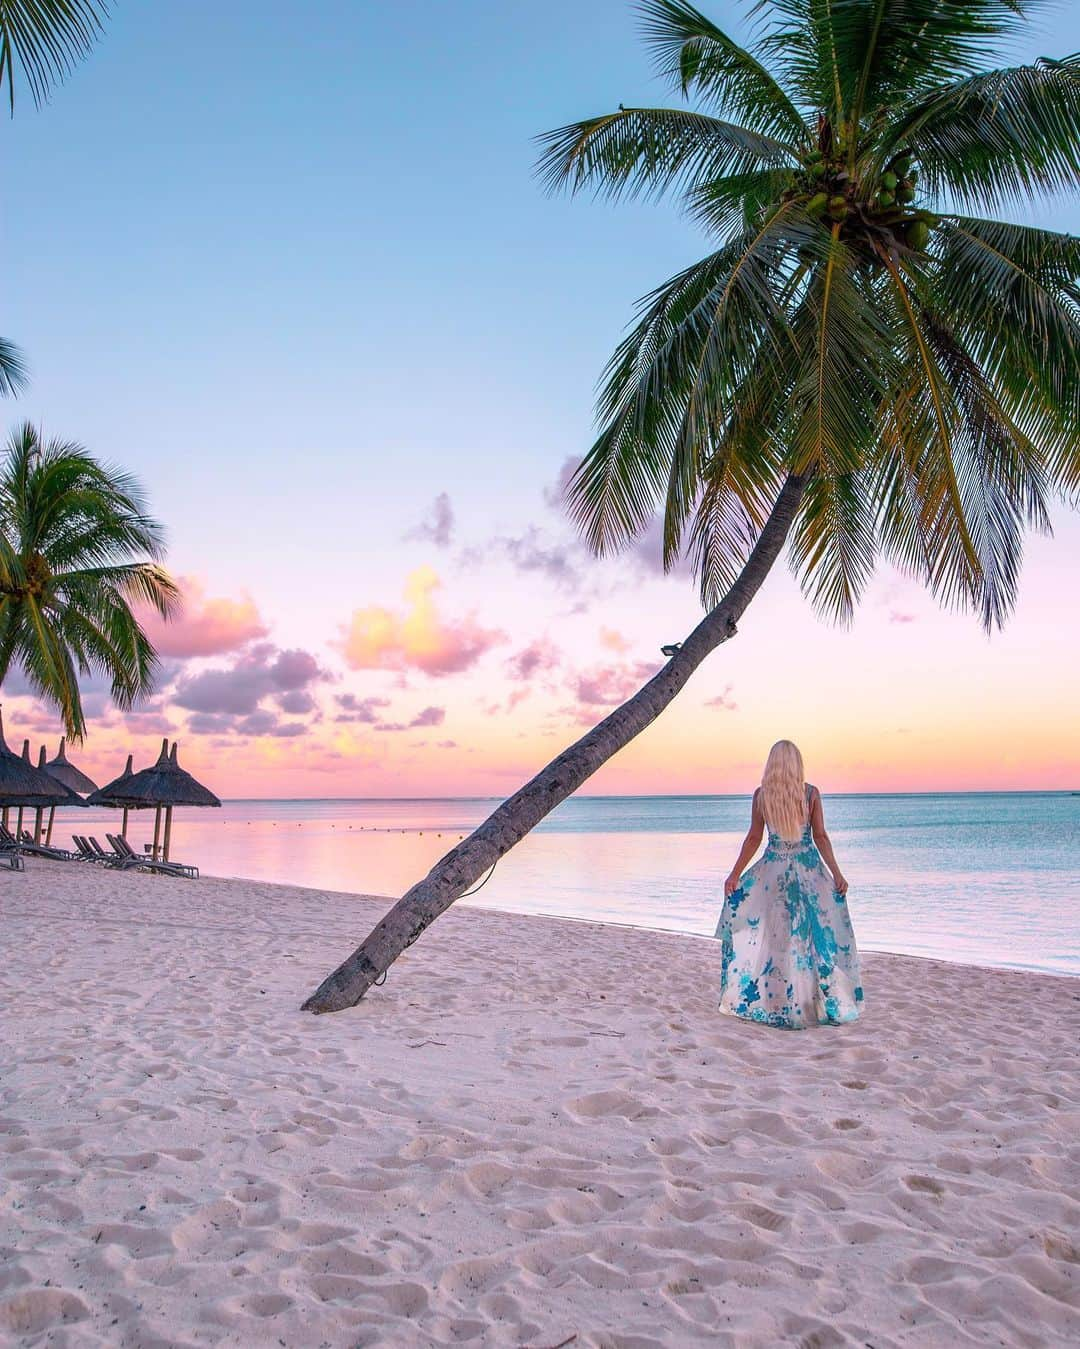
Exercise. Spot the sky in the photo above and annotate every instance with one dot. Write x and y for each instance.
(297, 275)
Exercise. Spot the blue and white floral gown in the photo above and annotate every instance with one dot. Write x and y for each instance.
(788, 955)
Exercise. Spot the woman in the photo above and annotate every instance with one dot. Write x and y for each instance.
(789, 956)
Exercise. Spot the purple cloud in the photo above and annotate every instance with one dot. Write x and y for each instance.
(365, 710)
(430, 716)
(532, 659)
(438, 527)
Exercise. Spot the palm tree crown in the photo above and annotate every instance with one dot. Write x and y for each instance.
(858, 322)
(76, 550)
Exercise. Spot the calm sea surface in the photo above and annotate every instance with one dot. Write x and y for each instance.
(987, 878)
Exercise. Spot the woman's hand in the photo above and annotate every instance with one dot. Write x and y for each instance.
(731, 884)
(839, 883)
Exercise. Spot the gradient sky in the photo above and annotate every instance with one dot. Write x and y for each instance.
(293, 270)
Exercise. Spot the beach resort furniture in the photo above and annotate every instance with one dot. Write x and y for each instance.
(13, 846)
(27, 844)
(69, 776)
(86, 853)
(25, 787)
(161, 786)
(10, 858)
(130, 858)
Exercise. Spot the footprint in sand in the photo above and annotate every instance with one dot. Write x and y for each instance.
(765, 1218)
(41, 1309)
(600, 1103)
(1058, 1247)
(924, 1184)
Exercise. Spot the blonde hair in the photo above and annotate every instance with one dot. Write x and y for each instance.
(783, 791)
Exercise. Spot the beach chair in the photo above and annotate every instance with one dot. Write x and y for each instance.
(11, 859)
(27, 845)
(85, 853)
(108, 858)
(131, 858)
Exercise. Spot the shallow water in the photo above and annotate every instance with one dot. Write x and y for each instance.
(986, 878)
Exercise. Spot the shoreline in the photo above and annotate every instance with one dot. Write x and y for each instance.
(389, 900)
(532, 1131)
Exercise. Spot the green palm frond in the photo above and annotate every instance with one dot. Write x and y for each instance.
(892, 51)
(13, 374)
(1003, 136)
(847, 357)
(834, 544)
(1012, 294)
(701, 59)
(1002, 482)
(648, 151)
(736, 200)
(44, 40)
(673, 376)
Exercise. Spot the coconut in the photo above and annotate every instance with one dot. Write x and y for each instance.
(886, 199)
(890, 180)
(917, 235)
(817, 203)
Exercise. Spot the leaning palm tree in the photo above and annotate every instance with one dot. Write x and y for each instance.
(863, 364)
(77, 549)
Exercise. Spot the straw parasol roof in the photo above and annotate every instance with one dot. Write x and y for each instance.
(163, 784)
(107, 795)
(21, 784)
(68, 774)
(73, 798)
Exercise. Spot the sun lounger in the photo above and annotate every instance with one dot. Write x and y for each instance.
(130, 858)
(10, 846)
(10, 858)
(27, 845)
(85, 853)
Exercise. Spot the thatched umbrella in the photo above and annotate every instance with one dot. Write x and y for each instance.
(73, 797)
(162, 786)
(64, 771)
(21, 784)
(110, 795)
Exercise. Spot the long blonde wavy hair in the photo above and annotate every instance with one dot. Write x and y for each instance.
(783, 791)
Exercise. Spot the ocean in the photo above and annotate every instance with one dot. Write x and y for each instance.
(987, 878)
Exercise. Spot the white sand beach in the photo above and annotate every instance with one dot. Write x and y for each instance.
(537, 1133)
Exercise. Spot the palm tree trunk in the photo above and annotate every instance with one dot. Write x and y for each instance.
(454, 873)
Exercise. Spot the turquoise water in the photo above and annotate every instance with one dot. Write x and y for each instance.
(986, 878)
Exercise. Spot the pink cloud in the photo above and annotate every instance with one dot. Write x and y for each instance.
(533, 659)
(899, 616)
(606, 685)
(206, 626)
(378, 638)
(724, 700)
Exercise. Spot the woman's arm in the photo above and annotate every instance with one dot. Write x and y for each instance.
(750, 845)
(824, 843)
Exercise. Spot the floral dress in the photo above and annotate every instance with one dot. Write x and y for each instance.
(788, 954)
